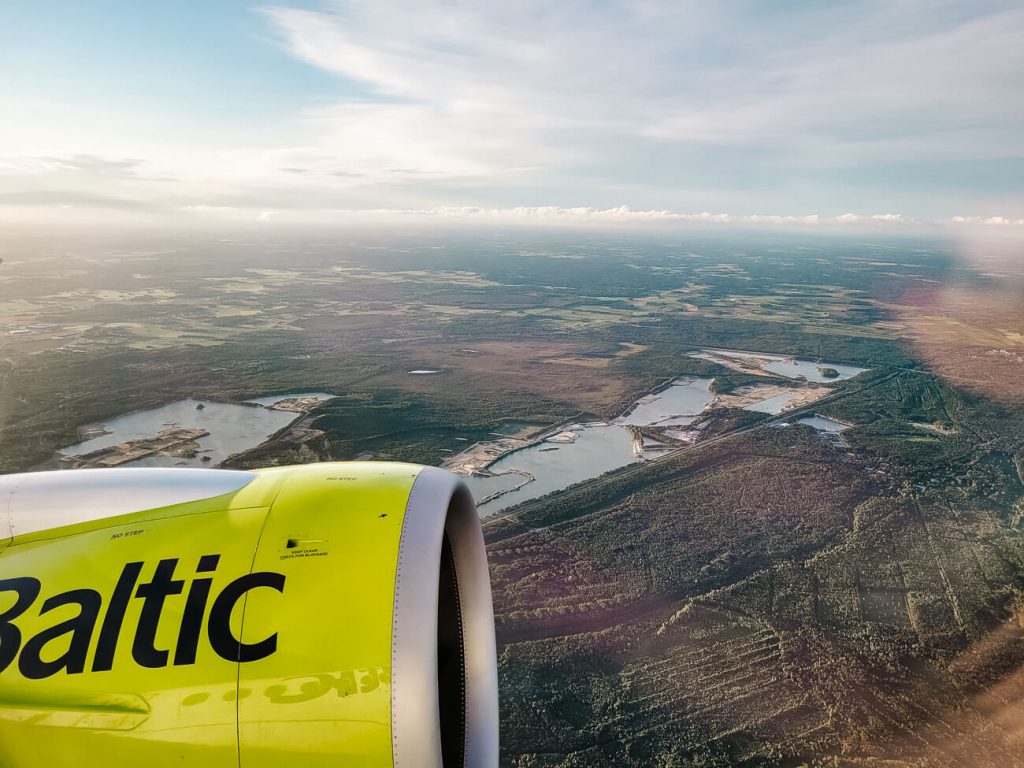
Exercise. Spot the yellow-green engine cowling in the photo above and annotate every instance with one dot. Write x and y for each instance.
(322, 615)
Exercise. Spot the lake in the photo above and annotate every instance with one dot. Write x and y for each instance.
(600, 447)
(597, 448)
(793, 369)
(773, 405)
(823, 424)
(782, 365)
(233, 428)
(677, 405)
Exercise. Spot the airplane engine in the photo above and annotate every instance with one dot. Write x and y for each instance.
(322, 615)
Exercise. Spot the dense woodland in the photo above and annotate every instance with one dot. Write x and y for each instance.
(765, 597)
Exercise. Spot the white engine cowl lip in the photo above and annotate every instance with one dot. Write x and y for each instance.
(440, 504)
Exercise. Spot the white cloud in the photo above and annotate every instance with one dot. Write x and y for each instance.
(988, 221)
(495, 86)
(447, 94)
(550, 214)
(86, 210)
(852, 218)
(83, 164)
(672, 105)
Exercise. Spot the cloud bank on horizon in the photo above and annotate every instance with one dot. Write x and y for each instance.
(900, 111)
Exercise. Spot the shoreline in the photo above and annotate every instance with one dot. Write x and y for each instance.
(59, 460)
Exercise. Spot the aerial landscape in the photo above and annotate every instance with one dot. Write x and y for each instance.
(716, 310)
(747, 498)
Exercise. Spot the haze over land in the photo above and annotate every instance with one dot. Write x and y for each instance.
(719, 307)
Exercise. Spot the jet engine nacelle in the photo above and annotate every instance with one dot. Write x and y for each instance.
(319, 615)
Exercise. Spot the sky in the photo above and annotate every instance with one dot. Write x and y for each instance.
(800, 113)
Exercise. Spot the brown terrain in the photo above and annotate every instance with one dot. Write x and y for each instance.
(973, 338)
